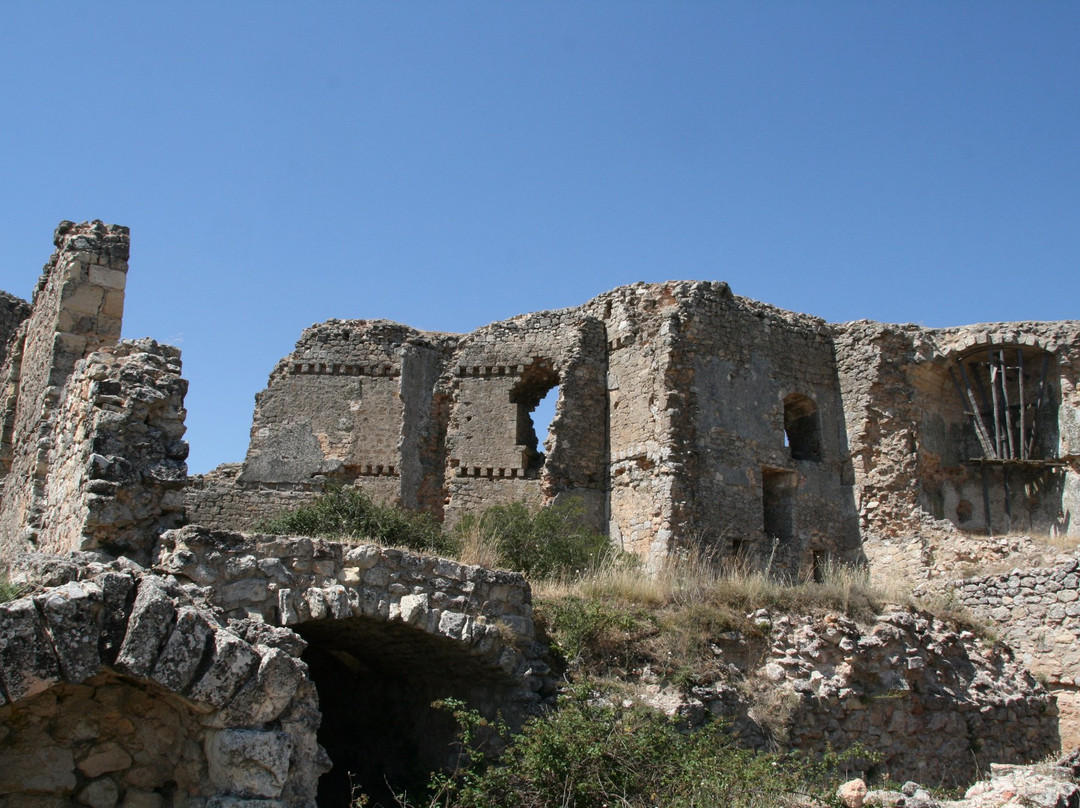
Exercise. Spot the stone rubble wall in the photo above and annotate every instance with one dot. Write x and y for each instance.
(906, 431)
(13, 312)
(492, 375)
(117, 689)
(77, 309)
(935, 705)
(218, 501)
(117, 470)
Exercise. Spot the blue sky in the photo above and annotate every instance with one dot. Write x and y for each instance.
(450, 164)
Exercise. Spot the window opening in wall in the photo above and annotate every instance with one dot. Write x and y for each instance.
(535, 396)
(1009, 399)
(1008, 393)
(778, 504)
(802, 428)
(819, 561)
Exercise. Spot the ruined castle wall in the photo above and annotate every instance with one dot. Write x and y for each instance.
(644, 482)
(117, 469)
(768, 455)
(216, 500)
(77, 309)
(334, 407)
(497, 377)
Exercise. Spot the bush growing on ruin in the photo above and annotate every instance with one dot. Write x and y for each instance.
(349, 514)
(551, 542)
(595, 751)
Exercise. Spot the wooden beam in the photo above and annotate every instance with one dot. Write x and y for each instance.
(1005, 405)
(1039, 401)
(980, 426)
(1023, 404)
(994, 398)
(976, 418)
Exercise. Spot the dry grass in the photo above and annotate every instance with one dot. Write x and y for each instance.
(617, 617)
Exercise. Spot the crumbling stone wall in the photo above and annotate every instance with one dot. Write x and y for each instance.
(217, 500)
(77, 307)
(115, 687)
(915, 449)
(496, 378)
(13, 311)
(94, 425)
(117, 469)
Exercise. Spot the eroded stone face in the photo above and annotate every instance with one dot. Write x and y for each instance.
(150, 700)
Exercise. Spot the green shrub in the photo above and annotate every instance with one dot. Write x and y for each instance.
(592, 630)
(593, 752)
(349, 513)
(546, 543)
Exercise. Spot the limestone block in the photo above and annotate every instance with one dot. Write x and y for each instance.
(83, 298)
(232, 663)
(249, 763)
(27, 663)
(104, 758)
(71, 615)
(148, 627)
(183, 651)
(413, 608)
(109, 278)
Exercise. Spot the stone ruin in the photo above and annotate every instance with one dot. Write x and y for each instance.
(170, 657)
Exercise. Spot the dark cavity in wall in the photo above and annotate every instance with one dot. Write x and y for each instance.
(778, 504)
(376, 685)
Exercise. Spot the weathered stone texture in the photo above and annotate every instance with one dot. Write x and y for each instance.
(151, 719)
(96, 425)
(77, 308)
(935, 704)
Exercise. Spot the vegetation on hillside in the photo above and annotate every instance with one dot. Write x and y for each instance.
(597, 751)
(610, 619)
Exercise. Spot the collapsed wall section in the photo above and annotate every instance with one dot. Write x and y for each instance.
(352, 403)
(971, 429)
(77, 309)
(117, 468)
(496, 379)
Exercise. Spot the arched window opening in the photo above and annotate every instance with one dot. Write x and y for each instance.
(802, 428)
(1008, 394)
(536, 393)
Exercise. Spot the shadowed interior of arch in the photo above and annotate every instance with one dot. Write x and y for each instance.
(376, 683)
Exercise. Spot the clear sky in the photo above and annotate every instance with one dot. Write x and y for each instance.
(448, 164)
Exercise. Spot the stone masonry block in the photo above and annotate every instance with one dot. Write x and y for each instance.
(72, 615)
(249, 763)
(183, 651)
(233, 662)
(148, 627)
(109, 278)
(27, 662)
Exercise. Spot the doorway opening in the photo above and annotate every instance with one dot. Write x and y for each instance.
(778, 504)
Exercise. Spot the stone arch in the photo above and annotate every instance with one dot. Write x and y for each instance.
(387, 631)
(118, 686)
